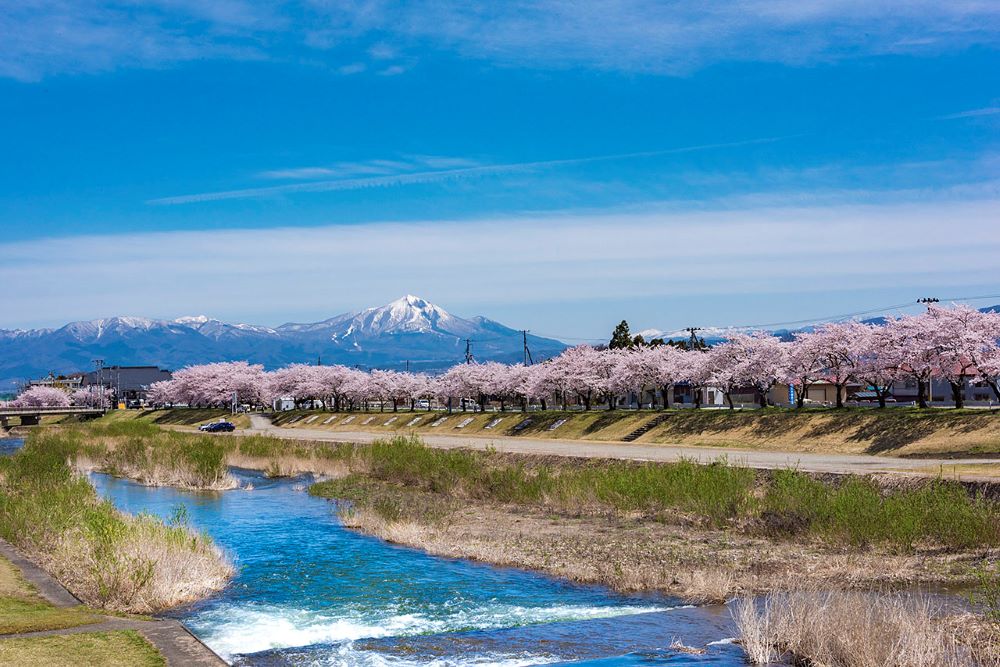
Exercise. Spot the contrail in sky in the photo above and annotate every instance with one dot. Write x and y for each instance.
(436, 175)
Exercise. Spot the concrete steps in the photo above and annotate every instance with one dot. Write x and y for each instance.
(646, 428)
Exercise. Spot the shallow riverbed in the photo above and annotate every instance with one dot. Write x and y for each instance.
(310, 592)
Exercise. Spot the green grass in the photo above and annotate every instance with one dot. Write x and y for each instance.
(46, 508)
(784, 503)
(18, 615)
(124, 648)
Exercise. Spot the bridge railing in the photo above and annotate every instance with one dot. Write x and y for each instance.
(71, 410)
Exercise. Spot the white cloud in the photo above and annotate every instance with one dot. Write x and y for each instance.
(42, 37)
(258, 275)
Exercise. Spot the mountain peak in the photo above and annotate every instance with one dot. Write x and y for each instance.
(193, 319)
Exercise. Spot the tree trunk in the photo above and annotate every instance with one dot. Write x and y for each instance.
(697, 398)
(840, 394)
(666, 396)
(763, 399)
(957, 394)
(881, 398)
(449, 405)
(922, 394)
(800, 397)
(994, 386)
(729, 399)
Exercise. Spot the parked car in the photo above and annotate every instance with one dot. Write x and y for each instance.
(216, 427)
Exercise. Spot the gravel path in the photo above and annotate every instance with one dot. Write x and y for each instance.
(858, 464)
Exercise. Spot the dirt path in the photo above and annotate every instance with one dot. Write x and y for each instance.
(178, 646)
(858, 464)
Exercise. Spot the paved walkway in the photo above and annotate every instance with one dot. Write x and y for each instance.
(859, 464)
(178, 646)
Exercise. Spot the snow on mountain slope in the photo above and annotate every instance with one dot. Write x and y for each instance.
(409, 329)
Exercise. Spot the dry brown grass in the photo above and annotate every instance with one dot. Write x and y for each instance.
(694, 563)
(158, 474)
(289, 464)
(147, 570)
(850, 629)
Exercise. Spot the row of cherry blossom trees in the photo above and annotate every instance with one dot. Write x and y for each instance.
(957, 344)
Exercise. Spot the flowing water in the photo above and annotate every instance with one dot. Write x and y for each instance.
(309, 592)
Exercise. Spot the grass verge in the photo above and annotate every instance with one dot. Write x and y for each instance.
(123, 648)
(783, 503)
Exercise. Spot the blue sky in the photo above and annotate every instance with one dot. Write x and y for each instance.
(556, 165)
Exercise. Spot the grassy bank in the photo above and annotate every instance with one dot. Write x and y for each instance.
(855, 629)
(22, 609)
(122, 648)
(780, 504)
(895, 431)
(106, 558)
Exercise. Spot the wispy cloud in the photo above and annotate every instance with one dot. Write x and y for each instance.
(416, 177)
(43, 37)
(972, 113)
(536, 259)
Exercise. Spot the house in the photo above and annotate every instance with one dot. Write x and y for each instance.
(129, 384)
(70, 382)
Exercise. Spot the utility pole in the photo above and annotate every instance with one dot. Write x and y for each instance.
(693, 341)
(527, 353)
(99, 366)
(319, 359)
(929, 301)
(468, 350)
(407, 365)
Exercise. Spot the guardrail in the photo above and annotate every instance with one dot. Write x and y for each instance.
(72, 410)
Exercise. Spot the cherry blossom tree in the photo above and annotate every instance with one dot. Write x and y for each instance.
(760, 362)
(838, 349)
(694, 367)
(92, 397)
(41, 397)
(880, 359)
(803, 364)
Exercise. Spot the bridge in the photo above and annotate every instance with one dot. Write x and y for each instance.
(32, 416)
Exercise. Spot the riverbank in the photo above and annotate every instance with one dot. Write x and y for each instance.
(109, 560)
(41, 623)
(902, 432)
(704, 533)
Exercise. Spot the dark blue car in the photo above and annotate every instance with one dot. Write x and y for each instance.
(216, 427)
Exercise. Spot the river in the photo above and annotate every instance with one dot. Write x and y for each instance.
(309, 592)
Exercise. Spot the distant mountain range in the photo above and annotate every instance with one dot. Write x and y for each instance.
(712, 335)
(409, 329)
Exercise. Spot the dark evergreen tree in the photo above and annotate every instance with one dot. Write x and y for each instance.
(621, 339)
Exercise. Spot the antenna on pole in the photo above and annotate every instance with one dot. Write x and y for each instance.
(928, 300)
(527, 353)
(468, 350)
(693, 341)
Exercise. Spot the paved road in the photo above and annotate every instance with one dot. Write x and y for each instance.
(809, 462)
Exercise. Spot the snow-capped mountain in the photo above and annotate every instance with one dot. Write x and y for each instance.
(410, 314)
(409, 329)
